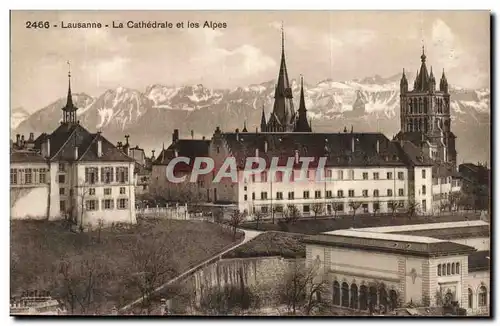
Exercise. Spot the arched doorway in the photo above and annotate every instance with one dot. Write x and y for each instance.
(372, 298)
(354, 297)
(336, 293)
(363, 297)
(383, 298)
(345, 294)
(393, 299)
(470, 297)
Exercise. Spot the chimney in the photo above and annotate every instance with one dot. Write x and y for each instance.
(237, 131)
(99, 147)
(265, 146)
(352, 144)
(18, 140)
(153, 155)
(175, 135)
(76, 153)
(257, 152)
(22, 140)
(32, 137)
(203, 138)
(192, 134)
(378, 146)
(48, 147)
(126, 139)
(296, 156)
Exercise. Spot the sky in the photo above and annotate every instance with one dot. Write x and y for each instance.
(337, 45)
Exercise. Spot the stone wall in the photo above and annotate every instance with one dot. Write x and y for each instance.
(260, 274)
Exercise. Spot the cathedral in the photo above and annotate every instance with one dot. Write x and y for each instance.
(283, 117)
(425, 115)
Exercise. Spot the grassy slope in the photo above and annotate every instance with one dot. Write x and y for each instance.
(38, 247)
(268, 244)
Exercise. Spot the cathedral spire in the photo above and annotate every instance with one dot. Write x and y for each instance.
(422, 79)
(283, 99)
(301, 124)
(263, 121)
(443, 84)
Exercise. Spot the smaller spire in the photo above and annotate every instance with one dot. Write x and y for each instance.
(69, 100)
(282, 39)
(432, 74)
(244, 126)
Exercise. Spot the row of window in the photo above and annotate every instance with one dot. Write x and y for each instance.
(329, 174)
(91, 191)
(328, 194)
(121, 175)
(28, 176)
(448, 269)
(445, 180)
(339, 207)
(106, 204)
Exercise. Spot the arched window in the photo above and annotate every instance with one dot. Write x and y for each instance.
(482, 296)
(439, 270)
(345, 294)
(471, 298)
(457, 268)
(452, 268)
(354, 297)
(448, 269)
(443, 269)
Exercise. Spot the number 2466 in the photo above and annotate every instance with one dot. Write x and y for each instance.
(39, 24)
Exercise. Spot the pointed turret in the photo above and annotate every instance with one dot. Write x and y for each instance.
(443, 84)
(263, 121)
(244, 126)
(422, 79)
(69, 111)
(432, 82)
(283, 99)
(301, 124)
(403, 85)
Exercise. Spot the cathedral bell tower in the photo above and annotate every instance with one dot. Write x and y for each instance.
(425, 114)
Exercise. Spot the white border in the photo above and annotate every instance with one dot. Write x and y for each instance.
(147, 4)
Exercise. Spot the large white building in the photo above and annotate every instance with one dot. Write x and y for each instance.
(74, 174)
(423, 265)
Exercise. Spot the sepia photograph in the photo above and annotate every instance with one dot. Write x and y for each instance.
(250, 163)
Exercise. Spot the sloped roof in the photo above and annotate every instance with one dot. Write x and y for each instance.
(408, 246)
(67, 136)
(412, 155)
(451, 233)
(26, 157)
(191, 148)
(336, 147)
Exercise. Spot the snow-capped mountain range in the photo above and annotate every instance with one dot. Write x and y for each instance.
(149, 117)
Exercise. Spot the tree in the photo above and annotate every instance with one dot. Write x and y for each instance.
(337, 207)
(392, 205)
(82, 192)
(151, 267)
(411, 208)
(80, 283)
(257, 217)
(354, 205)
(317, 209)
(303, 288)
(236, 219)
(291, 214)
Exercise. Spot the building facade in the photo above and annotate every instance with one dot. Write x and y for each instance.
(368, 268)
(73, 174)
